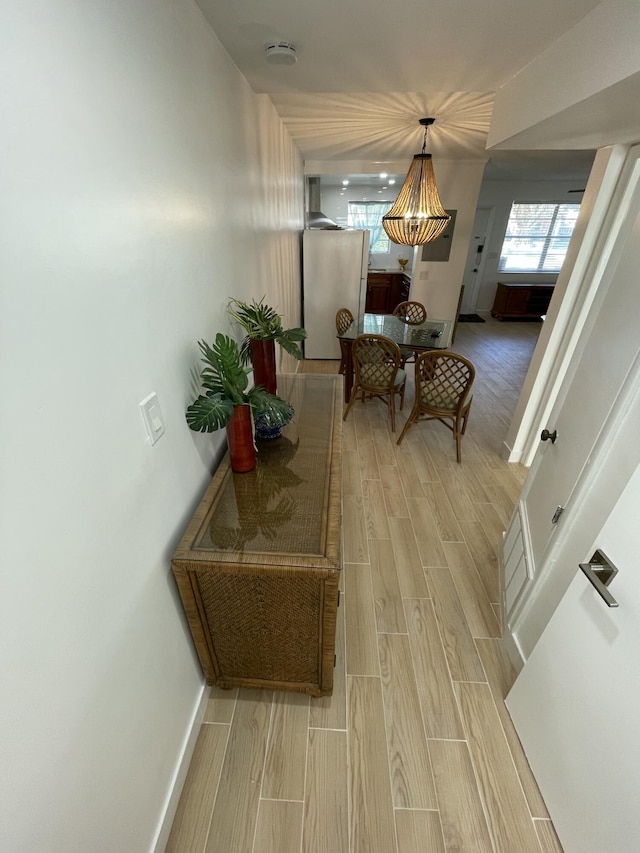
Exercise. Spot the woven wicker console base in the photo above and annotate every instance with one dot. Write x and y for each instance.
(259, 565)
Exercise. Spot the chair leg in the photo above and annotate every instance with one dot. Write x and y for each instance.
(392, 410)
(465, 418)
(352, 400)
(402, 390)
(410, 421)
(458, 433)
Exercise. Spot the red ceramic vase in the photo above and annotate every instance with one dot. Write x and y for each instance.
(242, 453)
(263, 358)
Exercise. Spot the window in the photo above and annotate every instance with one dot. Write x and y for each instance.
(367, 215)
(537, 237)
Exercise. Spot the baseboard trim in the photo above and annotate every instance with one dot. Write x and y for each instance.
(180, 773)
(509, 454)
(513, 650)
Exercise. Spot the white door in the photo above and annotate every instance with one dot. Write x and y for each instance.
(611, 342)
(575, 704)
(475, 259)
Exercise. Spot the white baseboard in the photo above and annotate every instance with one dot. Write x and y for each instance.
(180, 774)
(509, 454)
(512, 648)
(514, 539)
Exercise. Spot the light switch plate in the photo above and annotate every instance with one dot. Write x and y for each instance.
(152, 417)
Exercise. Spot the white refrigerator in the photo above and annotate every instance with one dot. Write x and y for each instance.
(334, 275)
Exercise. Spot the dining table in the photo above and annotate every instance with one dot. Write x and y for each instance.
(431, 334)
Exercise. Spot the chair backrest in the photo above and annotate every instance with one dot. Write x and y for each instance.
(344, 318)
(443, 380)
(411, 313)
(376, 360)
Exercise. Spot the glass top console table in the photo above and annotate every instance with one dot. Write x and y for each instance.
(259, 565)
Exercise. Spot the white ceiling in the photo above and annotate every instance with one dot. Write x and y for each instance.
(368, 70)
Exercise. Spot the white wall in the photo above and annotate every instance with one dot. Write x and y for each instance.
(500, 195)
(437, 283)
(581, 92)
(143, 184)
(335, 206)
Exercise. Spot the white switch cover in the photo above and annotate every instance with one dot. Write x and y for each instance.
(152, 416)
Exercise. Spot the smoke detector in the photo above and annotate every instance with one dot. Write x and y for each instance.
(281, 53)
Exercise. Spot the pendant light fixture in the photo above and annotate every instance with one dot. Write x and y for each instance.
(417, 217)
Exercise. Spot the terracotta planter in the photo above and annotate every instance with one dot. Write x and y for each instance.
(263, 358)
(242, 453)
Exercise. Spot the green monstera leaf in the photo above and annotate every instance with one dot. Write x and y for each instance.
(207, 414)
(288, 340)
(224, 374)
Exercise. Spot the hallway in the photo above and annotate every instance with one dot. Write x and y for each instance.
(414, 751)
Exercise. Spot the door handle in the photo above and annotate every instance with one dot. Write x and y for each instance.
(600, 571)
(545, 435)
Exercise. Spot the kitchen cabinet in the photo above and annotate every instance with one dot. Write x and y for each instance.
(259, 566)
(521, 301)
(385, 290)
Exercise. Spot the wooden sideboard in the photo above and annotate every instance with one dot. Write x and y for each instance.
(526, 301)
(259, 565)
(385, 290)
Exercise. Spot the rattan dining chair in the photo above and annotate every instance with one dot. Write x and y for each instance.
(376, 360)
(443, 392)
(411, 313)
(344, 318)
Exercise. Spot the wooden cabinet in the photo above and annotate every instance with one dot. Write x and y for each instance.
(378, 293)
(521, 300)
(385, 290)
(259, 565)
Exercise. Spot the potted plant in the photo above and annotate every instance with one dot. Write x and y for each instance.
(270, 417)
(264, 329)
(228, 401)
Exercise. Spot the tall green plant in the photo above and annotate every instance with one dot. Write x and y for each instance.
(261, 322)
(226, 383)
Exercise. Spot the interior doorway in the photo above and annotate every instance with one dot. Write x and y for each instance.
(474, 268)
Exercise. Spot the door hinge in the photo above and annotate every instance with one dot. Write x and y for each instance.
(557, 514)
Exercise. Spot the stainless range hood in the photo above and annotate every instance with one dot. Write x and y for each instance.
(315, 217)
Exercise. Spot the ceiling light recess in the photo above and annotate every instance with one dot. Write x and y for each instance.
(417, 217)
(281, 53)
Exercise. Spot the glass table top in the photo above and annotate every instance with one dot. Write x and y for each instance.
(432, 334)
(280, 506)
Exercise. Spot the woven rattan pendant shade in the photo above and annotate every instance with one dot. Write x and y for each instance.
(417, 217)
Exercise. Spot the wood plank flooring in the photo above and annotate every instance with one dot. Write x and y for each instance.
(415, 750)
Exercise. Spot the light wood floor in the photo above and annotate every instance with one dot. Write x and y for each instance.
(414, 751)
